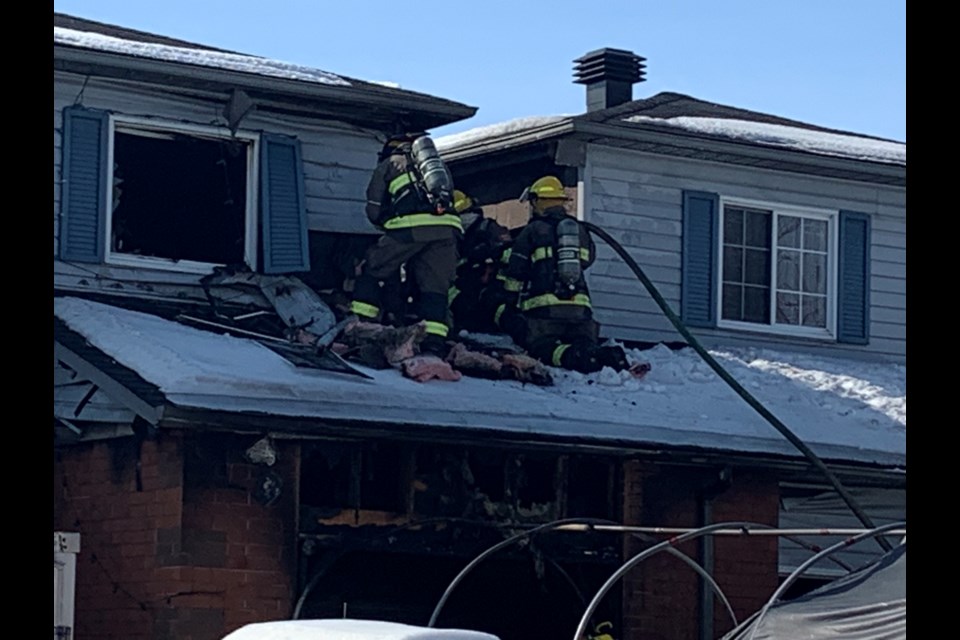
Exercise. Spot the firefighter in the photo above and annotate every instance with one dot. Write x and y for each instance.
(481, 250)
(417, 234)
(479, 300)
(545, 274)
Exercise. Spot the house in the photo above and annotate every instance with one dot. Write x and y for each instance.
(217, 478)
(697, 192)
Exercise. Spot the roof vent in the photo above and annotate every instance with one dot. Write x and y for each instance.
(609, 75)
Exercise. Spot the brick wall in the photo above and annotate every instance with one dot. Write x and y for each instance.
(661, 594)
(183, 549)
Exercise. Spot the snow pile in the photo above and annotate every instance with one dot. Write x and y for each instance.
(820, 142)
(843, 388)
(199, 57)
(347, 629)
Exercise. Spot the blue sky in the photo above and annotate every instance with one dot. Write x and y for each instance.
(834, 63)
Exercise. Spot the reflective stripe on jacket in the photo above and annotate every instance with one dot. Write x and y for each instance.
(532, 267)
(395, 202)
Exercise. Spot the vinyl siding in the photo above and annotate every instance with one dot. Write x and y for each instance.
(638, 198)
(337, 162)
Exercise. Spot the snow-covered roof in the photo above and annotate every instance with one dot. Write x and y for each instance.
(195, 56)
(778, 135)
(679, 112)
(843, 409)
(498, 130)
(348, 629)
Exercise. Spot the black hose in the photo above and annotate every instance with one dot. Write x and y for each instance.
(736, 386)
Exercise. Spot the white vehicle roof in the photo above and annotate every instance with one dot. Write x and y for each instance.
(346, 629)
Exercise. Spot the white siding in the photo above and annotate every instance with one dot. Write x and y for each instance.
(638, 197)
(338, 160)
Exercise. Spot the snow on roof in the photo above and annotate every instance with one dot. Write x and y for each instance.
(348, 629)
(199, 57)
(842, 409)
(517, 125)
(821, 142)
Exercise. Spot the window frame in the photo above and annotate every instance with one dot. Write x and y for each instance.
(831, 217)
(133, 125)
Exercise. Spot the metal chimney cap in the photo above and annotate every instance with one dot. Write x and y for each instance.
(609, 64)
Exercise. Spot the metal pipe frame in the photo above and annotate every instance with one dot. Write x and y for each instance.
(643, 555)
(558, 525)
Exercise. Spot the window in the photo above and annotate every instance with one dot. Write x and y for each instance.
(777, 269)
(180, 196)
(786, 270)
(165, 195)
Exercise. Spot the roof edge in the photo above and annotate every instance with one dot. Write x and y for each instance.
(86, 61)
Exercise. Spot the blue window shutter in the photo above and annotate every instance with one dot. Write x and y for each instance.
(698, 291)
(84, 193)
(283, 213)
(853, 294)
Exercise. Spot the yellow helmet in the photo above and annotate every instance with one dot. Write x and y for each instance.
(461, 201)
(545, 187)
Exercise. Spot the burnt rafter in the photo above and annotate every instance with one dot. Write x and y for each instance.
(76, 354)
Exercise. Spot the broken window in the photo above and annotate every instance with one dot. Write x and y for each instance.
(180, 196)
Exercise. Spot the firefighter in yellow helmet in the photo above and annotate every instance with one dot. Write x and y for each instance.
(478, 300)
(418, 234)
(546, 275)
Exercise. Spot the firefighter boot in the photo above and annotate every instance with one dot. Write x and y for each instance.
(434, 345)
(582, 357)
(614, 357)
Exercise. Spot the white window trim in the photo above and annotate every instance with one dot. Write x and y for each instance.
(133, 123)
(831, 217)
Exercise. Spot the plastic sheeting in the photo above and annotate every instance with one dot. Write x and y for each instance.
(869, 604)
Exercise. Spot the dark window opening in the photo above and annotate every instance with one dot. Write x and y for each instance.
(205, 462)
(326, 476)
(381, 486)
(588, 488)
(486, 466)
(534, 481)
(179, 197)
(344, 476)
(444, 483)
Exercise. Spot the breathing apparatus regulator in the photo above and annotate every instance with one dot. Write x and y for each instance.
(433, 176)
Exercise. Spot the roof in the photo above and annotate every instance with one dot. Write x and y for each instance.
(676, 124)
(89, 47)
(843, 410)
